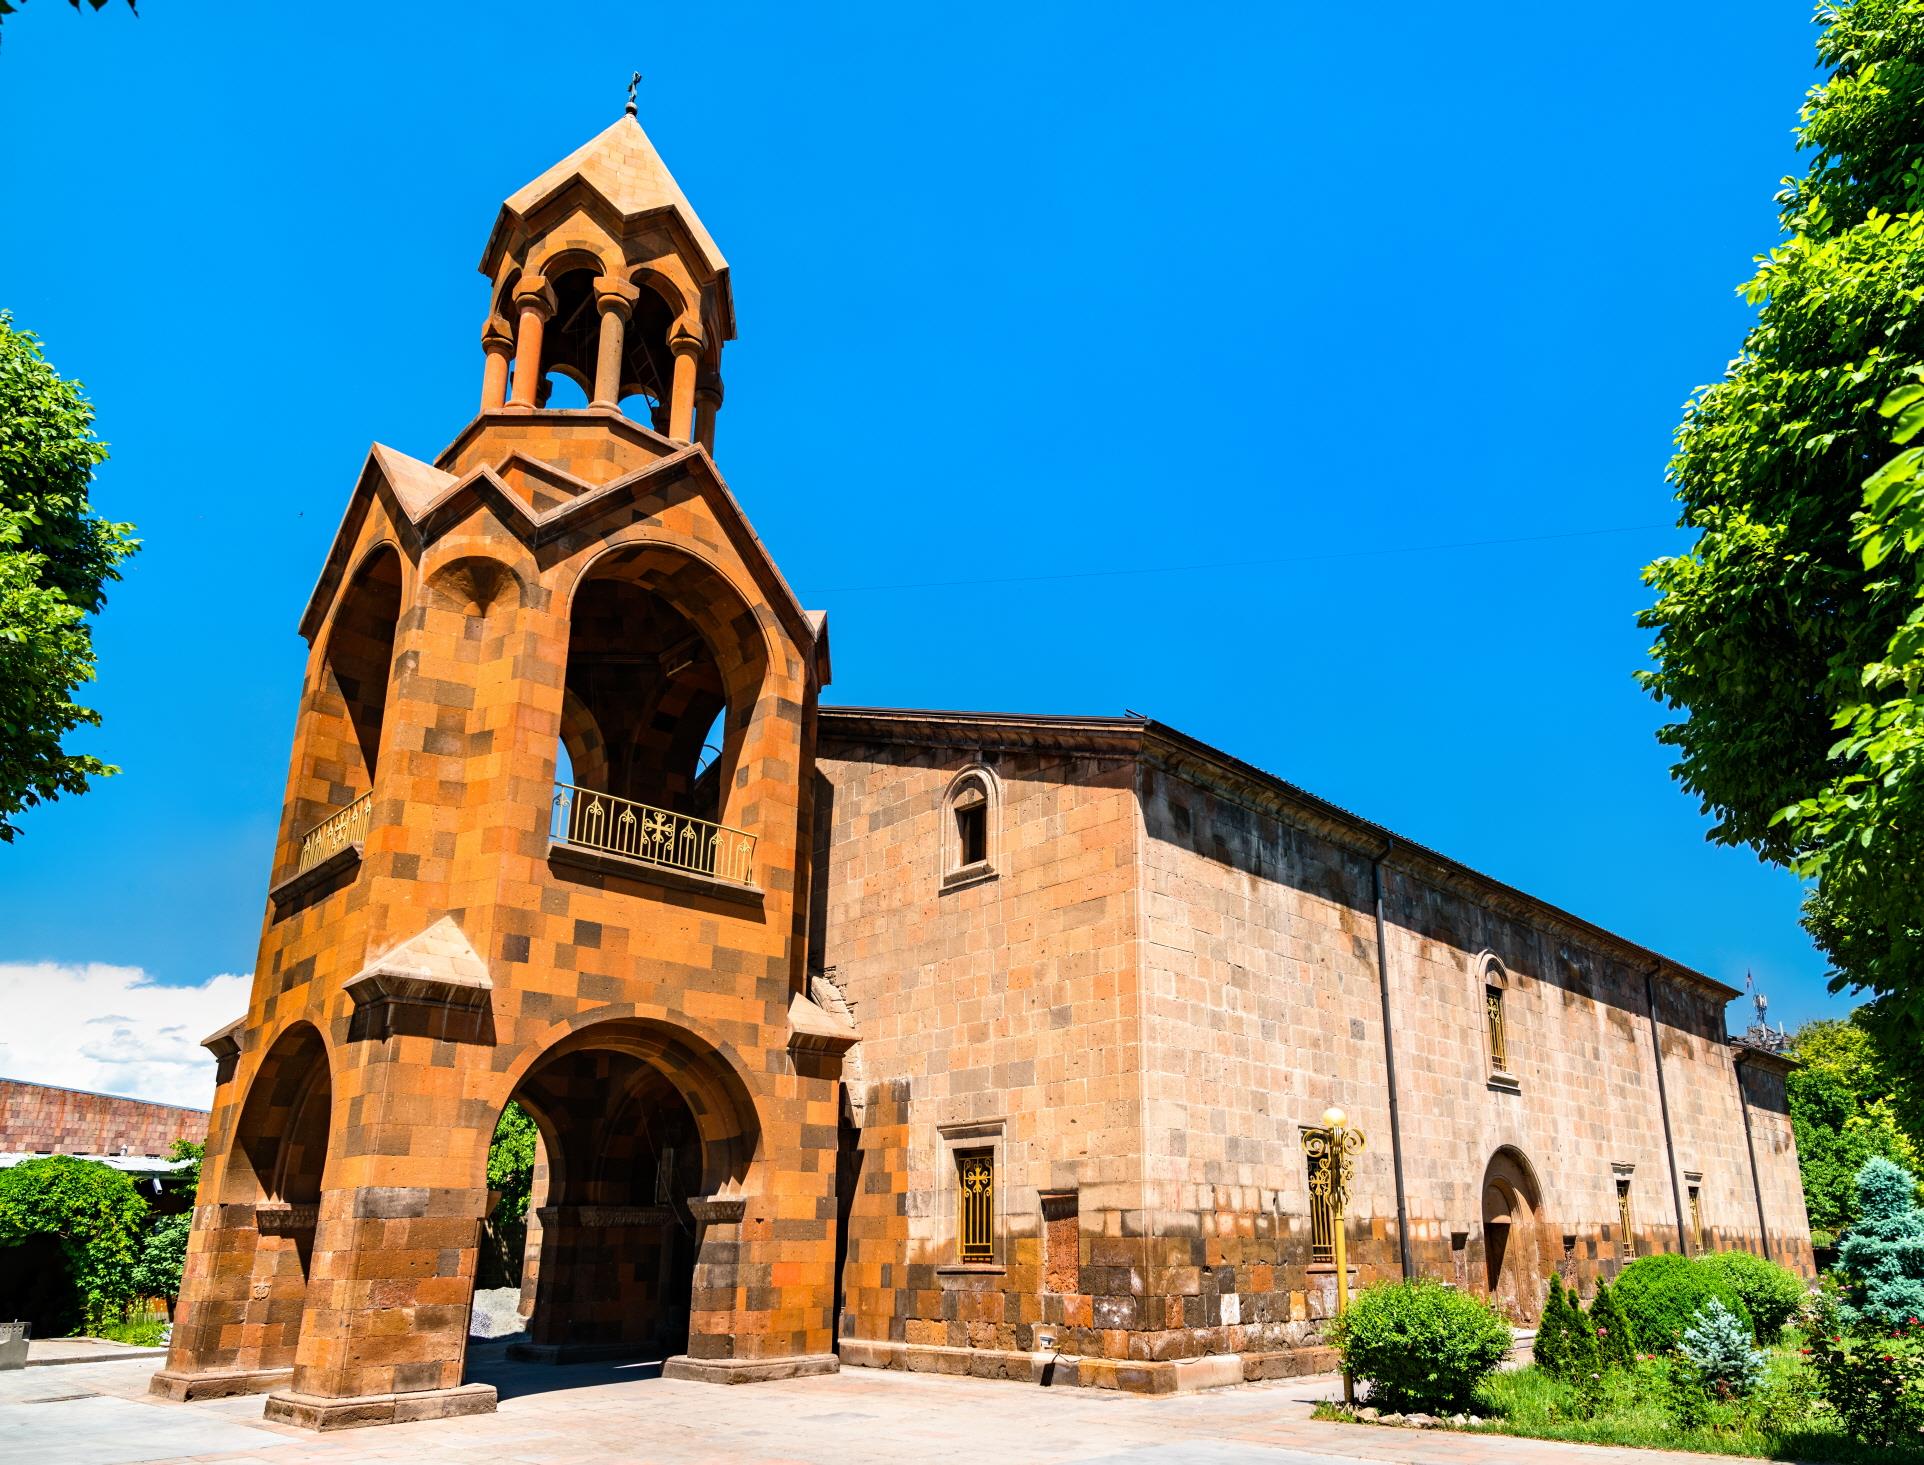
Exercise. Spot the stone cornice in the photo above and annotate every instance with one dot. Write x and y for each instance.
(1158, 745)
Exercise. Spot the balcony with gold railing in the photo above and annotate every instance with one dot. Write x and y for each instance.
(322, 848)
(335, 833)
(584, 819)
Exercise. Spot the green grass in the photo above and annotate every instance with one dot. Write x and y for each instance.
(140, 1332)
(1783, 1420)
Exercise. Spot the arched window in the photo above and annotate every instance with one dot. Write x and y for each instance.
(1499, 1040)
(343, 713)
(969, 831)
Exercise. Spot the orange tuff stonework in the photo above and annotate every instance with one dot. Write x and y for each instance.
(927, 1040)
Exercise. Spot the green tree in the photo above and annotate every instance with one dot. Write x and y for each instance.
(92, 1210)
(8, 7)
(1616, 1339)
(1884, 1255)
(1767, 630)
(163, 1257)
(511, 1161)
(1848, 1101)
(56, 557)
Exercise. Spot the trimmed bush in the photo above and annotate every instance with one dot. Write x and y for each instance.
(1772, 1294)
(1662, 1295)
(1420, 1345)
(1616, 1339)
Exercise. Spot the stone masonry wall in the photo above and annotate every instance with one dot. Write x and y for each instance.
(999, 1015)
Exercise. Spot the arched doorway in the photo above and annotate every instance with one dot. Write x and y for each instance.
(637, 1126)
(1512, 1205)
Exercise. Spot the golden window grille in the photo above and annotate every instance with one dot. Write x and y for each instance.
(1697, 1217)
(1627, 1246)
(975, 1180)
(1322, 1213)
(1499, 1047)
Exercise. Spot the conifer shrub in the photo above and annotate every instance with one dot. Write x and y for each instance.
(1883, 1257)
(1616, 1339)
(1551, 1350)
(1661, 1296)
(1420, 1345)
(1718, 1351)
(1771, 1294)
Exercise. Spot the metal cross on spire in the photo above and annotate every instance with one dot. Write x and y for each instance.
(633, 82)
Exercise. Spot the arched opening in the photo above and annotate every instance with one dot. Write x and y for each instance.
(647, 367)
(277, 1165)
(1512, 1207)
(351, 701)
(635, 1123)
(664, 667)
(572, 336)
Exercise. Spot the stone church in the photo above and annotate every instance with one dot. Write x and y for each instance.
(914, 1039)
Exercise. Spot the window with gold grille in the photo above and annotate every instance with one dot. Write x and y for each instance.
(1322, 1214)
(1499, 1039)
(975, 1204)
(1627, 1245)
(1697, 1218)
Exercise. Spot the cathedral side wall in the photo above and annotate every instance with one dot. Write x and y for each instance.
(1263, 1008)
(998, 1017)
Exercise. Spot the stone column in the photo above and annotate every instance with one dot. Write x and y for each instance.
(615, 299)
(681, 401)
(498, 342)
(708, 400)
(536, 303)
(730, 1340)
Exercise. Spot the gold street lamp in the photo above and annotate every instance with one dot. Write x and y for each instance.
(1332, 1152)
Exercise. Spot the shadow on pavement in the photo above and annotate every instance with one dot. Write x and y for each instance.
(488, 1363)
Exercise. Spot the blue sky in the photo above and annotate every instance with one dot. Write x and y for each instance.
(1302, 379)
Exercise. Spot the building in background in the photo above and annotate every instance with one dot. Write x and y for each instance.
(127, 1134)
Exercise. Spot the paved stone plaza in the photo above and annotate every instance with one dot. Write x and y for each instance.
(101, 1414)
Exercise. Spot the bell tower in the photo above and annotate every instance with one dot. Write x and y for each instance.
(546, 837)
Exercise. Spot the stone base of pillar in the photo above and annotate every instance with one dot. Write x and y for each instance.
(183, 1387)
(318, 1412)
(749, 1370)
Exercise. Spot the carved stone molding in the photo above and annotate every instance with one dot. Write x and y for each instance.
(716, 1210)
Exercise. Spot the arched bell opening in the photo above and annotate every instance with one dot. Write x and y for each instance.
(1512, 1211)
(664, 667)
(351, 702)
(571, 338)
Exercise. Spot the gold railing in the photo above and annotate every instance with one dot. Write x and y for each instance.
(1322, 1215)
(975, 1177)
(601, 821)
(1499, 1040)
(336, 832)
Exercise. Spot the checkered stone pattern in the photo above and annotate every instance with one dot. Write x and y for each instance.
(690, 981)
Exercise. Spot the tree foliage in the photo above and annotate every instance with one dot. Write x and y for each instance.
(1849, 1101)
(1717, 1346)
(8, 7)
(163, 1256)
(1566, 1345)
(1616, 1338)
(1883, 1257)
(1774, 634)
(511, 1161)
(93, 1210)
(56, 557)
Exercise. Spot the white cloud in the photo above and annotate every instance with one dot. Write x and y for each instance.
(113, 1029)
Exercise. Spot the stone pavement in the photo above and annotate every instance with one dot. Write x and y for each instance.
(597, 1414)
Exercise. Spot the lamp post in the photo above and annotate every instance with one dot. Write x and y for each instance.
(1332, 1151)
